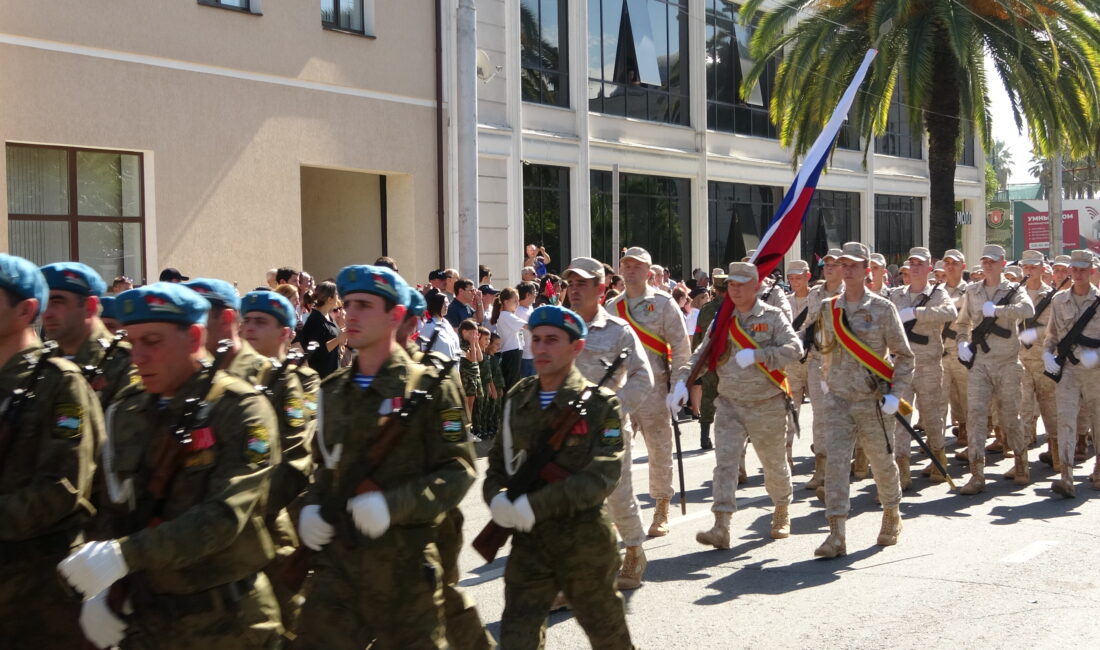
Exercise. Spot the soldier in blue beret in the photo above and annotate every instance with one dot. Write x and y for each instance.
(224, 324)
(553, 514)
(46, 470)
(369, 582)
(408, 333)
(108, 313)
(206, 555)
(72, 319)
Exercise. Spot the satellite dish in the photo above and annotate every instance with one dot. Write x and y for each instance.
(485, 68)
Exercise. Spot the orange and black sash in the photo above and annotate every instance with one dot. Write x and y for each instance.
(655, 343)
(742, 338)
(866, 357)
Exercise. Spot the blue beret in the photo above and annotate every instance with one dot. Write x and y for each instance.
(377, 280)
(162, 302)
(110, 307)
(78, 278)
(219, 292)
(23, 278)
(272, 304)
(415, 302)
(560, 317)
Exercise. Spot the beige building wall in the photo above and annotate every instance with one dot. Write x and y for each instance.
(229, 108)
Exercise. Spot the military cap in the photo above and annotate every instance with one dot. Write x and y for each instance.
(560, 317)
(1012, 269)
(74, 277)
(877, 258)
(719, 280)
(977, 269)
(1081, 259)
(1062, 260)
(108, 307)
(798, 266)
(921, 253)
(834, 253)
(1031, 258)
(993, 252)
(904, 265)
(717, 271)
(162, 302)
(272, 304)
(219, 292)
(743, 272)
(939, 266)
(414, 300)
(954, 254)
(24, 279)
(748, 255)
(854, 250)
(584, 267)
(375, 280)
(638, 253)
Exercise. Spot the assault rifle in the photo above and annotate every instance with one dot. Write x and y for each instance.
(12, 407)
(1033, 322)
(540, 465)
(919, 339)
(1073, 338)
(988, 326)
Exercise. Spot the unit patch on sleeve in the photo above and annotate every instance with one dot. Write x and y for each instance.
(295, 412)
(612, 432)
(69, 417)
(257, 449)
(451, 422)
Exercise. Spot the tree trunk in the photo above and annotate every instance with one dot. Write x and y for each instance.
(941, 119)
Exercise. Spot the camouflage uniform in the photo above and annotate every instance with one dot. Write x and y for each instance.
(197, 580)
(45, 484)
(773, 294)
(798, 370)
(114, 373)
(247, 364)
(572, 546)
(708, 380)
(1038, 390)
(954, 373)
(814, 375)
(387, 590)
(1076, 392)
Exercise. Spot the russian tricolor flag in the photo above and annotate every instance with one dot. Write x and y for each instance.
(788, 219)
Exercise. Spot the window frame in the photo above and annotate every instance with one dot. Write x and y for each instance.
(757, 116)
(889, 208)
(366, 16)
(823, 201)
(563, 72)
(73, 219)
(894, 141)
(252, 7)
(560, 257)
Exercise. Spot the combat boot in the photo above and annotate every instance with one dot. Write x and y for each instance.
(934, 475)
(1023, 469)
(781, 521)
(1081, 451)
(903, 472)
(860, 464)
(976, 483)
(630, 575)
(835, 544)
(961, 439)
(704, 437)
(719, 534)
(818, 479)
(1064, 486)
(891, 527)
(659, 527)
(820, 493)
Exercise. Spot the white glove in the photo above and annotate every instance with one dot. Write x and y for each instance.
(1029, 336)
(313, 529)
(524, 515)
(745, 358)
(964, 352)
(94, 567)
(890, 404)
(678, 397)
(824, 387)
(504, 513)
(99, 623)
(370, 513)
(1050, 363)
(989, 310)
(1089, 358)
(907, 314)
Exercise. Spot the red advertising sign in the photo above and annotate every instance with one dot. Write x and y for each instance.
(1037, 230)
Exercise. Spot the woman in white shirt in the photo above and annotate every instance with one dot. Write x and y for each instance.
(437, 330)
(510, 328)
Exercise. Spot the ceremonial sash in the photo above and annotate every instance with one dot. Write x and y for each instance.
(658, 345)
(742, 338)
(858, 349)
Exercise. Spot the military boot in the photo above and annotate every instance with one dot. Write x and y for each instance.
(781, 522)
(891, 527)
(1081, 451)
(835, 544)
(961, 439)
(704, 437)
(860, 464)
(1023, 469)
(934, 475)
(903, 472)
(630, 575)
(818, 479)
(659, 527)
(719, 534)
(1095, 477)
(1064, 486)
(976, 483)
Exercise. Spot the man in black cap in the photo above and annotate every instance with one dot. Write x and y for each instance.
(171, 274)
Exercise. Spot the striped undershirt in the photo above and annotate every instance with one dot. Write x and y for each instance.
(546, 396)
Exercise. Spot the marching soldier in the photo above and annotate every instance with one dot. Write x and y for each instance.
(46, 467)
(1070, 351)
(859, 330)
(753, 397)
(954, 373)
(995, 376)
(607, 337)
(1038, 390)
(657, 321)
(71, 318)
(375, 504)
(224, 324)
(187, 463)
(771, 293)
(833, 285)
(801, 299)
(563, 539)
(708, 381)
(924, 309)
(108, 315)
(878, 275)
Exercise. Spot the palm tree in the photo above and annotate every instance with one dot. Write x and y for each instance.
(1080, 177)
(1001, 159)
(1044, 51)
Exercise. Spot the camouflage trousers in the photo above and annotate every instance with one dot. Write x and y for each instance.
(388, 591)
(654, 422)
(994, 383)
(954, 385)
(709, 382)
(818, 402)
(861, 422)
(35, 612)
(285, 538)
(1037, 398)
(622, 504)
(1078, 402)
(764, 423)
(464, 627)
(798, 376)
(928, 388)
(578, 556)
(250, 623)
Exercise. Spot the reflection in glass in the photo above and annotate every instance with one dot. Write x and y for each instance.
(654, 213)
(546, 211)
(111, 248)
(543, 40)
(38, 180)
(107, 184)
(739, 216)
(899, 225)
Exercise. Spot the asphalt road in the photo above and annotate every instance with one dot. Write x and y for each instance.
(1012, 567)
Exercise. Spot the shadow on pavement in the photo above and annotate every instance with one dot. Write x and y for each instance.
(1049, 506)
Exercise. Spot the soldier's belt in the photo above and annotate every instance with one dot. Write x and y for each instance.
(56, 545)
(919, 339)
(221, 598)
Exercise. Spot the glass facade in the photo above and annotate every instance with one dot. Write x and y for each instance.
(738, 216)
(728, 62)
(544, 42)
(902, 137)
(832, 220)
(638, 59)
(654, 213)
(899, 226)
(546, 211)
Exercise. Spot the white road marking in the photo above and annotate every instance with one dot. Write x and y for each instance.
(1029, 552)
